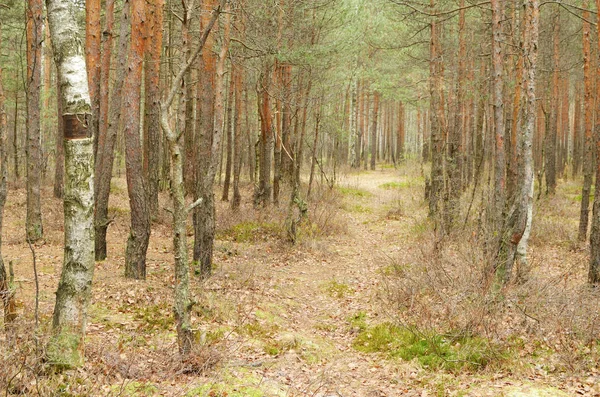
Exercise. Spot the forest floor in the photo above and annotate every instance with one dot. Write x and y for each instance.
(362, 305)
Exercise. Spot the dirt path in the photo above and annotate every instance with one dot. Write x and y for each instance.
(278, 320)
(319, 289)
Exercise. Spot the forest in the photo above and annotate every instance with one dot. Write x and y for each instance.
(325, 198)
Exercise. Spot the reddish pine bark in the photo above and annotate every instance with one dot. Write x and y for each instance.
(92, 60)
(374, 129)
(152, 132)
(139, 234)
(594, 267)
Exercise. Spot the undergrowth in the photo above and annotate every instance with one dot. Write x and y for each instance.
(450, 352)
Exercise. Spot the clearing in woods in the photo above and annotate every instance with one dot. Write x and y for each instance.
(278, 320)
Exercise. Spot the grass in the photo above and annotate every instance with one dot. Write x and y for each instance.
(360, 209)
(358, 321)
(354, 192)
(248, 232)
(337, 290)
(452, 353)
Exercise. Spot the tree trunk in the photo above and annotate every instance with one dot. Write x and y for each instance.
(594, 269)
(551, 134)
(74, 288)
(499, 127)
(139, 234)
(515, 232)
(15, 135)
(229, 143)
(400, 139)
(577, 138)
(59, 167)
(203, 227)
(186, 103)
(180, 211)
(152, 136)
(6, 290)
(110, 114)
(263, 189)
(237, 142)
(588, 102)
(437, 117)
(313, 158)
(374, 129)
(92, 60)
(35, 38)
(205, 218)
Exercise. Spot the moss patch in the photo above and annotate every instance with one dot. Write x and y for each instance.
(337, 290)
(354, 192)
(247, 232)
(63, 352)
(446, 352)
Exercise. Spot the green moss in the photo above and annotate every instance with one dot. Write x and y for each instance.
(358, 321)
(447, 352)
(154, 317)
(247, 232)
(354, 192)
(258, 330)
(114, 211)
(360, 209)
(337, 290)
(63, 352)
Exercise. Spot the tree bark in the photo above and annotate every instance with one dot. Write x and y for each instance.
(204, 215)
(205, 219)
(229, 142)
(92, 60)
(139, 234)
(588, 101)
(6, 290)
(263, 189)
(374, 130)
(237, 141)
(74, 288)
(516, 230)
(577, 138)
(551, 134)
(437, 116)
(110, 114)
(594, 268)
(152, 135)
(499, 126)
(34, 37)
(59, 167)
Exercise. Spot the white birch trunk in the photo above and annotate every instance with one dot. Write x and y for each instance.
(74, 288)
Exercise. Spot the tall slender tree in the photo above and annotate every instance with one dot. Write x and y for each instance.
(139, 234)
(588, 103)
(594, 268)
(35, 37)
(110, 115)
(152, 136)
(74, 288)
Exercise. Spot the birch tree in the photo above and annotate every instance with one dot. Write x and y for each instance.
(74, 288)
